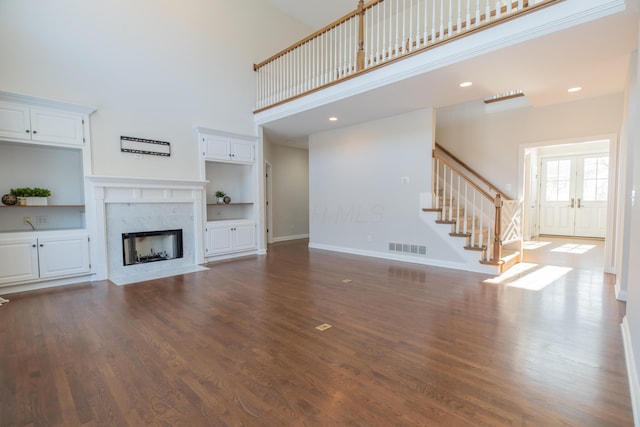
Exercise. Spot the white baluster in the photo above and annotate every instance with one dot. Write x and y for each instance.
(487, 13)
(520, 4)
(426, 23)
(508, 7)
(451, 195)
(397, 26)
(450, 23)
(410, 41)
(466, 207)
(459, 21)
(404, 26)
(477, 12)
(437, 190)
(498, 7)
(433, 21)
(382, 27)
(345, 50)
(441, 19)
(457, 218)
(373, 27)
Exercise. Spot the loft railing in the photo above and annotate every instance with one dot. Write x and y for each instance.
(489, 220)
(376, 33)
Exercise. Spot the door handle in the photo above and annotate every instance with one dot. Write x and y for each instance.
(573, 203)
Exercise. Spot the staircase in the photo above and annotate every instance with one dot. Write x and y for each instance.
(484, 218)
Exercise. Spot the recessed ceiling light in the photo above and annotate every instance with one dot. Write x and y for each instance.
(466, 84)
(333, 119)
(575, 89)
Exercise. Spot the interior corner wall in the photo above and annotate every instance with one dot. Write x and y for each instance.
(154, 69)
(290, 192)
(633, 231)
(489, 141)
(365, 184)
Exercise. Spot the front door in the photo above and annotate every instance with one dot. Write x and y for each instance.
(573, 196)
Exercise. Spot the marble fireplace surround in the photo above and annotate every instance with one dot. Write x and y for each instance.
(124, 205)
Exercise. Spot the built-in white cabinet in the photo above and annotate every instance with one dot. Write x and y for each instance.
(34, 255)
(41, 125)
(227, 149)
(44, 143)
(228, 165)
(225, 237)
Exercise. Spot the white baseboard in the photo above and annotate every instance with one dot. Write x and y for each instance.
(294, 237)
(34, 286)
(632, 371)
(621, 295)
(484, 269)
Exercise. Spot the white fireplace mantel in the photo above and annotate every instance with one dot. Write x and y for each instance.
(106, 190)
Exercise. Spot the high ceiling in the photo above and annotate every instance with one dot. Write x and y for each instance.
(594, 56)
(316, 13)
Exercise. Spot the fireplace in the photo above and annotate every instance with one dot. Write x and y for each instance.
(151, 246)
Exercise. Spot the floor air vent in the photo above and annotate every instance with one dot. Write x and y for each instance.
(408, 248)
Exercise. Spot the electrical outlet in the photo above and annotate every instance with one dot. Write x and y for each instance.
(26, 220)
(42, 220)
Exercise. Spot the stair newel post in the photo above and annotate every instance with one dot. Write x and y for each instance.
(497, 240)
(360, 57)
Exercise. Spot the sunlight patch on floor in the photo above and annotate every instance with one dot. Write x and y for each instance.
(535, 280)
(573, 248)
(534, 244)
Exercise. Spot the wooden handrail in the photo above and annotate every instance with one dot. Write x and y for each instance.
(471, 171)
(448, 35)
(357, 12)
(461, 173)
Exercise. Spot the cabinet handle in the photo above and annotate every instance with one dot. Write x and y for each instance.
(27, 130)
(33, 246)
(579, 203)
(35, 131)
(41, 245)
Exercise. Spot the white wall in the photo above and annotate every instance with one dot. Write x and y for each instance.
(154, 68)
(358, 202)
(631, 273)
(290, 192)
(484, 139)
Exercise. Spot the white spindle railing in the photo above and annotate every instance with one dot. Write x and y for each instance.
(378, 31)
(488, 221)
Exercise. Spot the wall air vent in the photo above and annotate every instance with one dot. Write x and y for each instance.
(504, 96)
(408, 248)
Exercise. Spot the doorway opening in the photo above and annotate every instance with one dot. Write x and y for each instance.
(569, 190)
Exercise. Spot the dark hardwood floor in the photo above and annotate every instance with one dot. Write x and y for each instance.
(237, 345)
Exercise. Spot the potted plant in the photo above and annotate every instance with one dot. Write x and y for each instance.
(220, 196)
(31, 196)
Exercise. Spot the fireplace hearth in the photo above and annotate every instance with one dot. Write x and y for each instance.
(151, 246)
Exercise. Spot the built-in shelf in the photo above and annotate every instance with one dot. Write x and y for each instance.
(44, 206)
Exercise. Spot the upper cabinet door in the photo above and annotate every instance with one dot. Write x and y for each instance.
(216, 148)
(14, 121)
(55, 126)
(242, 151)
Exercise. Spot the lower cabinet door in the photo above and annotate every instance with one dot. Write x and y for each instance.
(63, 256)
(18, 261)
(244, 237)
(218, 240)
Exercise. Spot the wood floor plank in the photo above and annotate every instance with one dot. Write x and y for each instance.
(236, 345)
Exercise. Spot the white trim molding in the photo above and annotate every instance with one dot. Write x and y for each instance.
(632, 371)
(106, 190)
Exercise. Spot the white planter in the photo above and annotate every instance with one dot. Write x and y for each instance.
(36, 201)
